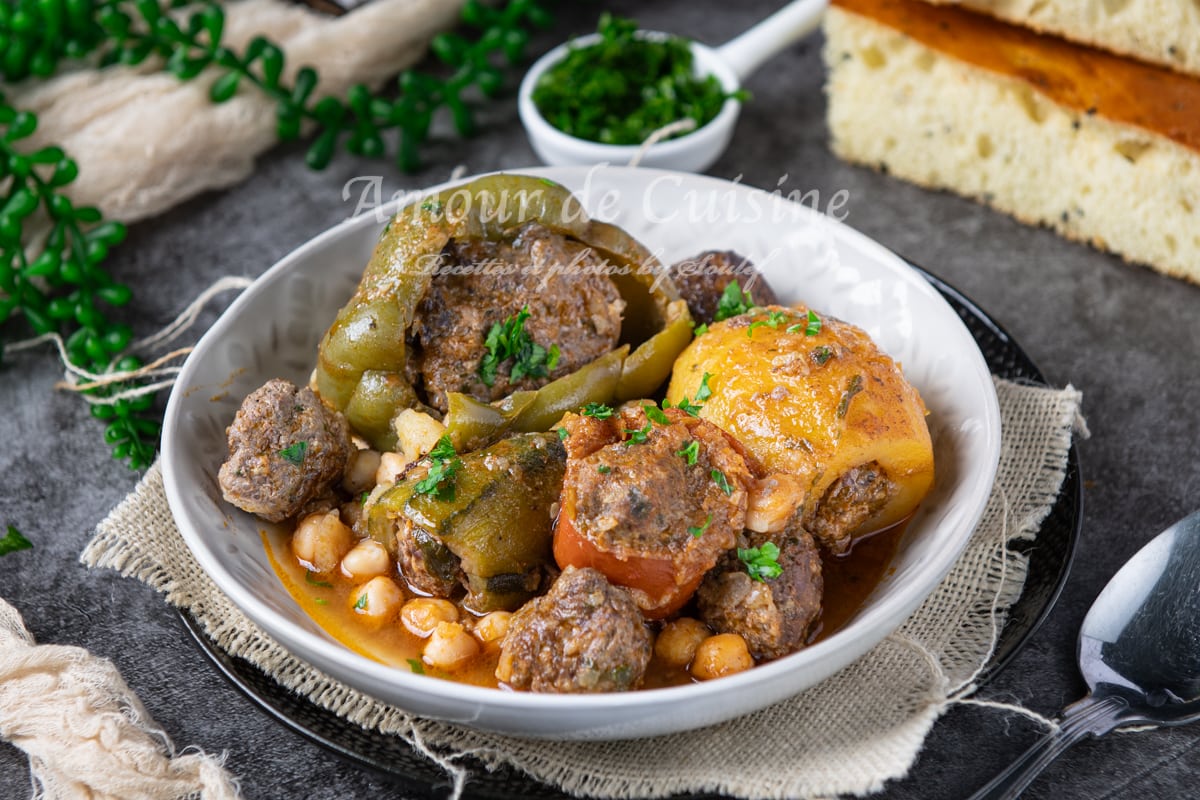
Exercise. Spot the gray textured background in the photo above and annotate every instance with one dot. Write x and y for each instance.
(1127, 337)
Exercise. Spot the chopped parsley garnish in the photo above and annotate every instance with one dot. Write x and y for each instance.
(688, 407)
(774, 320)
(432, 206)
(598, 411)
(416, 666)
(721, 481)
(363, 498)
(509, 340)
(361, 603)
(698, 530)
(854, 388)
(638, 436)
(604, 469)
(700, 329)
(690, 452)
(655, 414)
(445, 462)
(822, 354)
(811, 325)
(761, 562)
(321, 601)
(692, 407)
(14, 541)
(308, 577)
(294, 454)
(733, 302)
(563, 433)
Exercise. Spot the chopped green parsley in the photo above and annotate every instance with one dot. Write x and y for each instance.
(13, 541)
(821, 355)
(690, 452)
(604, 469)
(416, 666)
(361, 603)
(655, 414)
(700, 329)
(598, 411)
(721, 481)
(444, 463)
(761, 562)
(308, 577)
(563, 433)
(856, 385)
(774, 320)
(294, 454)
(509, 340)
(698, 530)
(733, 302)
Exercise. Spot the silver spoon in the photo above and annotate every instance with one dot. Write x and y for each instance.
(1139, 651)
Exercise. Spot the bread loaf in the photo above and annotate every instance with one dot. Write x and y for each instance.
(1100, 149)
(1163, 32)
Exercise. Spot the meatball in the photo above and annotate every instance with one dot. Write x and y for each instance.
(774, 615)
(584, 635)
(654, 511)
(852, 499)
(286, 450)
(573, 304)
(702, 280)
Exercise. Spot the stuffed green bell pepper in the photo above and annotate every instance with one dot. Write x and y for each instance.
(499, 305)
(481, 521)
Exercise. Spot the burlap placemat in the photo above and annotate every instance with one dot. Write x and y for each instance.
(849, 735)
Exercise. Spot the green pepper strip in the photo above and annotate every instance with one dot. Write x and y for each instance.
(648, 365)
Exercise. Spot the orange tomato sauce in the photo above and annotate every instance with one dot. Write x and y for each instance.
(329, 600)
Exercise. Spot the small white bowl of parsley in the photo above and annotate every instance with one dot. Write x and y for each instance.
(598, 98)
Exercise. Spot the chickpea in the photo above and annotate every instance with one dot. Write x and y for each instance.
(366, 559)
(449, 647)
(676, 644)
(390, 467)
(721, 655)
(321, 540)
(378, 599)
(492, 627)
(360, 471)
(422, 615)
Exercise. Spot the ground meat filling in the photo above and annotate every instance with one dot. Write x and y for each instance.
(584, 635)
(701, 281)
(850, 501)
(286, 450)
(775, 615)
(664, 497)
(572, 303)
(425, 561)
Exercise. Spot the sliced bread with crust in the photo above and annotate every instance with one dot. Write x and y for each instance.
(1163, 32)
(1101, 149)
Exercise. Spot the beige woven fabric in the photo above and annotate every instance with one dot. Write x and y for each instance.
(848, 735)
(144, 141)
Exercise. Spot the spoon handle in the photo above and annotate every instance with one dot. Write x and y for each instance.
(1091, 716)
(787, 25)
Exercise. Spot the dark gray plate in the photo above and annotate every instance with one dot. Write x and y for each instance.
(1049, 554)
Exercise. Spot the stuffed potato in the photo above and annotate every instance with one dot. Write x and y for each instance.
(839, 432)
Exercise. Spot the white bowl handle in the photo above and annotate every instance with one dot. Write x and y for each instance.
(786, 26)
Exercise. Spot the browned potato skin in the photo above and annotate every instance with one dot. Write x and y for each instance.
(770, 392)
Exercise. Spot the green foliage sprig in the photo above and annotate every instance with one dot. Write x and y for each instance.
(59, 286)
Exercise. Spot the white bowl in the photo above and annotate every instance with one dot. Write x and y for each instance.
(692, 152)
(272, 330)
